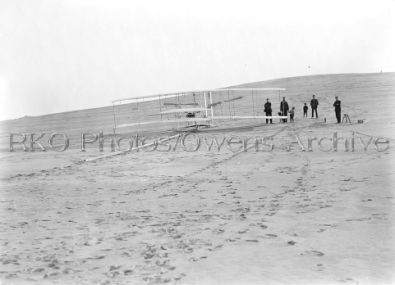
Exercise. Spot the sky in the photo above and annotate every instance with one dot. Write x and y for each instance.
(65, 55)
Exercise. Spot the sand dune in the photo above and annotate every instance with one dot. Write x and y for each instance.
(208, 217)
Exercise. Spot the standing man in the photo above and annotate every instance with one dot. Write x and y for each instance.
(314, 106)
(337, 106)
(284, 109)
(268, 110)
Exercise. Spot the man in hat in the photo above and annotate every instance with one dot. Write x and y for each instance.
(268, 110)
(284, 109)
(337, 106)
(314, 106)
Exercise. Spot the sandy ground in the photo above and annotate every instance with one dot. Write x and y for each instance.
(205, 217)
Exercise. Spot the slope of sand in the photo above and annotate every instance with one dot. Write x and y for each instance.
(209, 217)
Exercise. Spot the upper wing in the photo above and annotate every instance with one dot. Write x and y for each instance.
(177, 94)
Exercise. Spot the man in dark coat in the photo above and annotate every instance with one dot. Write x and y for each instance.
(284, 109)
(337, 106)
(268, 110)
(314, 106)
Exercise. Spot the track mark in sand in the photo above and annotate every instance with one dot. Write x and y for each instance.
(216, 247)
(216, 163)
(349, 280)
(366, 200)
(319, 267)
(243, 231)
(268, 236)
(312, 253)
(325, 227)
(252, 240)
(286, 169)
(212, 165)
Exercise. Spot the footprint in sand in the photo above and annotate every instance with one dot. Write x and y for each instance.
(262, 226)
(230, 240)
(218, 231)
(268, 236)
(215, 248)
(178, 278)
(320, 267)
(349, 281)
(127, 272)
(312, 253)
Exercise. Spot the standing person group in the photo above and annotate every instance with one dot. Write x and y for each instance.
(284, 109)
(314, 106)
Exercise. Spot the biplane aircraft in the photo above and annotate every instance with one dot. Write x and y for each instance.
(193, 110)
